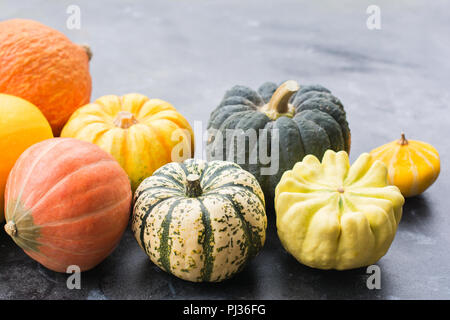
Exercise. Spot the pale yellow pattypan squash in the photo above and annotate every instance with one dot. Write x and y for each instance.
(333, 216)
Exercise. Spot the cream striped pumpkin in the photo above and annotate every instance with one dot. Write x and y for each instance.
(413, 165)
(200, 221)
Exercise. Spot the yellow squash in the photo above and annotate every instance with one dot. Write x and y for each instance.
(142, 134)
(333, 216)
(22, 124)
(413, 165)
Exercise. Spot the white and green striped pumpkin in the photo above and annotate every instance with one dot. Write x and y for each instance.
(200, 221)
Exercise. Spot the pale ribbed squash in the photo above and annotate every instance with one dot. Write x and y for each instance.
(413, 165)
(333, 216)
(142, 134)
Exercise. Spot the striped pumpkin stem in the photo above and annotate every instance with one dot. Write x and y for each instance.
(193, 188)
(403, 141)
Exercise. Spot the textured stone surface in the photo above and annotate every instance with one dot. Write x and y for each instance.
(189, 52)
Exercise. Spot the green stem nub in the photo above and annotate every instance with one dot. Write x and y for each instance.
(11, 229)
(193, 188)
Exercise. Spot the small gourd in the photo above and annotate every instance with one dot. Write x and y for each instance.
(142, 134)
(333, 216)
(413, 165)
(200, 221)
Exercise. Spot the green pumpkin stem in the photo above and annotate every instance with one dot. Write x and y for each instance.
(280, 99)
(11, 229)
(193, 188)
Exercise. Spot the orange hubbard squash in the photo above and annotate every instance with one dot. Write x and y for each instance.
(43, 66)
(67, 203)
(21, 126)
(412, 165)
(142, 134)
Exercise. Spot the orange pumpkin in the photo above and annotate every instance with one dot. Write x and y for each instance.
(21, 126)
(43, 66)
(67, 203)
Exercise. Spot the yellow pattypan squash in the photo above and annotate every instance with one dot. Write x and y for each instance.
(413, 165)
(333, 216)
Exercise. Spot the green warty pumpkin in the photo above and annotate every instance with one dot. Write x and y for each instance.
(309, 119)
(200, 221)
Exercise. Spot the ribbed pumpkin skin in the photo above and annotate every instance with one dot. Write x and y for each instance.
(412, 167)
(331, 215)
(21, 125)
(70, 202)
(205, 238)
(142, 147)
(318, 124)
(43, 66)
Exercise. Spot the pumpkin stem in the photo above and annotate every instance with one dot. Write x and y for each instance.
(125, 120)
(280, 99)
(11, 229)
(403, 140)
(193, 188)
(88, 50)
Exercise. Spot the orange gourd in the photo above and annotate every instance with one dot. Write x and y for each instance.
(142, 134)
(67, 203)
(412, 165)
(43, 66)
(21, 126)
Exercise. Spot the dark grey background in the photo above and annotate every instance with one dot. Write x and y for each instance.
(189, 52)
